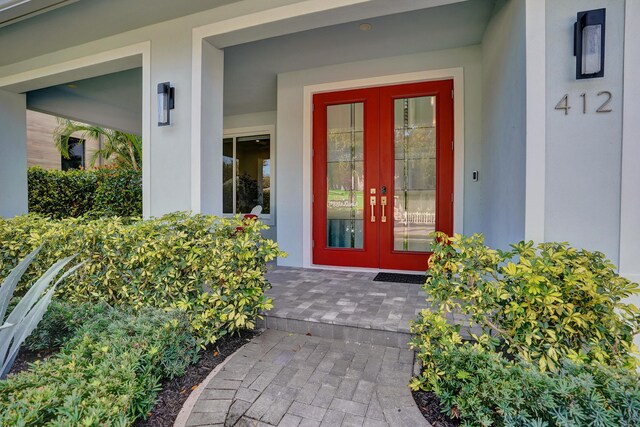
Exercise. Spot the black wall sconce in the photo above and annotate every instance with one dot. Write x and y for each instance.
(589, 44)
(166, 103)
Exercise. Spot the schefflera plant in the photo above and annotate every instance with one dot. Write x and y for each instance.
(538, 303)
(28, 312)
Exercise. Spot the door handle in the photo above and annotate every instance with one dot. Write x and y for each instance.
(372, 203)
(383, 203)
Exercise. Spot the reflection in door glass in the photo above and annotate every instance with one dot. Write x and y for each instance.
(345, 176)
(414, 204)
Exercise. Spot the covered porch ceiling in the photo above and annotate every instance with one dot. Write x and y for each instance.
(251, 69)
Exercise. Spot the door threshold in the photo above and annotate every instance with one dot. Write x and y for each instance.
(362, 269)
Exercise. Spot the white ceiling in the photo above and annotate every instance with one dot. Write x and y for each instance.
(251, 69)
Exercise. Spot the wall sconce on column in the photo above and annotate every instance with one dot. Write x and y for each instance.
(166, 98)
(589, 44)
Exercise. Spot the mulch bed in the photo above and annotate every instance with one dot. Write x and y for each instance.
(430, 406)
(25, 357)
(175, 392)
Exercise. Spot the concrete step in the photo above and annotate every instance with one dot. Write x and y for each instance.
(359, 334)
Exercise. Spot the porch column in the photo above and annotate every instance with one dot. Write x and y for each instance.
(13, 154)
(207, 129)
(212, 129)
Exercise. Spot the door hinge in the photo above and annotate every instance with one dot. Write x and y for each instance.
(451, 198)
(313, 243)
(452, 146)
(452, 92)
(313, 152)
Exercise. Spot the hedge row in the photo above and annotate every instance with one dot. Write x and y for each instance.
(200, 264)
(97, 192)
(109, 373)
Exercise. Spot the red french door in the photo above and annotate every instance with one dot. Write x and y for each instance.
(382, 174)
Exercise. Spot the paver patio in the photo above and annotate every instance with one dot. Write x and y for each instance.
(287, 379)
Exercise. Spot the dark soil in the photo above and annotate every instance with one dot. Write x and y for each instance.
(176, 391)
(25, 357)
(431, 408)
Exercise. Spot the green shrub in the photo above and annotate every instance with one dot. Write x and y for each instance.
(108, 374)
(551, 342)
(484, 389)
(60, 323)
(61, 194)
(96, 192)
(541, 304)
(118, 193)
(200, 264)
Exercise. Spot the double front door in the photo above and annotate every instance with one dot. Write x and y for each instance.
(382, 174)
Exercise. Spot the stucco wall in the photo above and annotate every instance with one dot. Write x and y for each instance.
(502, 176)
(583, 151)
(13, 161)
(630, 203)
(290, 130)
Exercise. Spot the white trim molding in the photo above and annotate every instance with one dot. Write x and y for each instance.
(456, 74)
(536, 121)
(95, 65)
(629, 200)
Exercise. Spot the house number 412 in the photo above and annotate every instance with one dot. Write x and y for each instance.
(605, 107)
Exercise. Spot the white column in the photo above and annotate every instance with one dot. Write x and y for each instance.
(13, 154)
(206, 127)
(536, 120)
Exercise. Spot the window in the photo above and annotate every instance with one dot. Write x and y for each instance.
(76, 155)
(246, 173)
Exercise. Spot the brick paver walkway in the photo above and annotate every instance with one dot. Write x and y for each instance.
(343, 298)
(284, 379)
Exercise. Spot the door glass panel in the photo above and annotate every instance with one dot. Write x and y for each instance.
(345, 176)
(414, 204)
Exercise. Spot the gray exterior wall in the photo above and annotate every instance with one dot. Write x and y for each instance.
(502, 176)
(583, 151)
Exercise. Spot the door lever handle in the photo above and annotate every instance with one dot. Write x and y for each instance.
(372, 203)
(383, 203)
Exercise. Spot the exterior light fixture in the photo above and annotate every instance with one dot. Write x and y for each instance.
(166, 95)
(365, 26)
(589, 44)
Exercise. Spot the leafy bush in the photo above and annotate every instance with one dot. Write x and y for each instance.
(555, 341)
(200, 264)
(61, 194)
(541, 304)
(108, 374)
(485, 389)
(118, 193)
(100, 192)
(60, 323)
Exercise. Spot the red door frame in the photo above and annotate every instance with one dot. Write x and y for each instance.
(377, 251)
